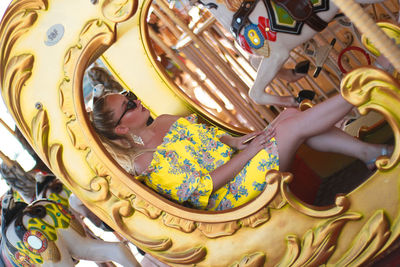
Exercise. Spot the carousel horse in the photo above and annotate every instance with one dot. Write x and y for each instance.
(271, 29)
(49, 222)
(46, 233)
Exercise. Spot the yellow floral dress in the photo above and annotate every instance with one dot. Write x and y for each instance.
(189, 152)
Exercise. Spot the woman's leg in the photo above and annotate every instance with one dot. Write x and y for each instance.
(294, 129)
(337, 141)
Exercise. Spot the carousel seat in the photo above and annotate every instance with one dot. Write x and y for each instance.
(277, 228)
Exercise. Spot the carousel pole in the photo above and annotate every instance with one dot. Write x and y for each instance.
(8, 128)
(367, 26)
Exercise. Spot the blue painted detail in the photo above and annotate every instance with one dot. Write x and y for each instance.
(253, 36)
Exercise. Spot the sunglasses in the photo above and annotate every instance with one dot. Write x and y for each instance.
(130, 105)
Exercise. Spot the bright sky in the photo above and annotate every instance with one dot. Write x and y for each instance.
(13, 149)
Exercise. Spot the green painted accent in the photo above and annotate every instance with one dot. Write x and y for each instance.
(65, 224)
(44, 227)
(283, 17)
(58, 214)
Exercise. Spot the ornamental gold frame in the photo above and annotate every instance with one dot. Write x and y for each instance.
(42, 88)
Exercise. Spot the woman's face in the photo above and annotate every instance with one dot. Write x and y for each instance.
(128, 113)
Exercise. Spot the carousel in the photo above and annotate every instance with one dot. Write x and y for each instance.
(182, 58)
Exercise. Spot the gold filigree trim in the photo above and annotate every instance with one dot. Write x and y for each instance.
(368, 242)
(257, 218)
(99, 189)
(190, 256)
(254, 259)
(119, 10)
(151, 244)
(17, 20)
(318, 244)
(214, 230)
(76, 135)
(146, 208)
(341, 203)
(178, 223)
(374, 89)
(292, 252)
(40, 133)
(17, 71)
(121, 208)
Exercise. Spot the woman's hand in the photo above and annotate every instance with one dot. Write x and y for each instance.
(262, 136)
(260, 141)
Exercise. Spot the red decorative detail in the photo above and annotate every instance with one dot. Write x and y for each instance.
(23, 259)
(40, 236)
(264, 26)
(349, 48)
(243, 43)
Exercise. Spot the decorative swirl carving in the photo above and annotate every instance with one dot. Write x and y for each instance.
(257, 218)
(374, 89)
(20, 16)
(190, 256)
(317, 245)
(121, 208)
(369, 241)
(146, 208)
(178, 223)
(341, 203)
(119, 10)
(255, 259)
(100, 189)
(40, 133)
(214, 230)
(76, 135)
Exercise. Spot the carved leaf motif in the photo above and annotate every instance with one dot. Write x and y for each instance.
(76, 135)
(256, 219)
(256, 259)
(364, 84)
(369, 241)
(119, 10)
(96, 166)
(147, 209)
(317, 244)
(18, 71)
(214, 230)
(40, 133)
(292, 252)
(190, 256)
(178, 223)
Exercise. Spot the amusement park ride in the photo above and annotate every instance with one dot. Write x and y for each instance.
(46, 46)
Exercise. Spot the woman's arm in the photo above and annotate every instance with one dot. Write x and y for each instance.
(224, 173)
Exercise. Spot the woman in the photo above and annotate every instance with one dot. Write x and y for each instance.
(196, 165)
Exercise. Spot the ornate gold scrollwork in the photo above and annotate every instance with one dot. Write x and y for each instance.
(257, 218)
(119, 10)
(146, 208)
(317, 245)
(341, 202)
(369, 241)
(178, 223)
(374, 89)
(214, 230)
(255, 259)
(16, 71)
(188, 257)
